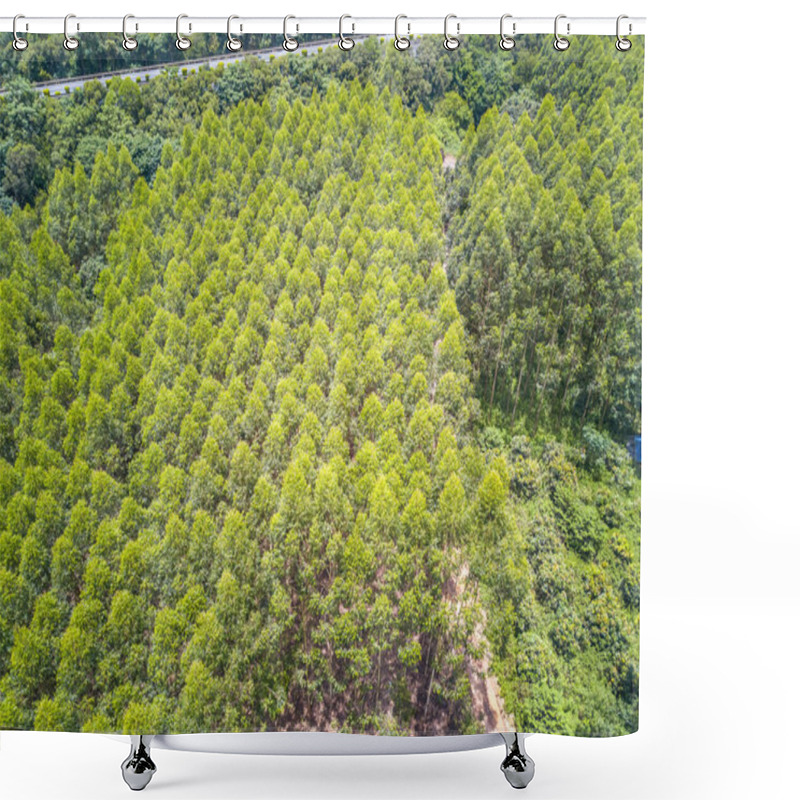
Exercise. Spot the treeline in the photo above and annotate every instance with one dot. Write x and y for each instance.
(546, 260)
(39, 136)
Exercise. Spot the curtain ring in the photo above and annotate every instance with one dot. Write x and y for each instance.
(507, 42)
(401, 42)
(289, 44)
(451, 42)
(128, 42)
(70, 42)
(181, 42)
(560, 43)
(345, 43)
(623, 44)
(233, 44)
(18, 43)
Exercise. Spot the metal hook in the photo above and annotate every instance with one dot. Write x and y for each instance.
(128, 42)
(181, 42)
(623, 44)
(233, 44)
(18, 43)
(451, 42)
(560, 43)
(70, 42)
(345, 43)
(289, 44)
(507, 42)
(401, 42)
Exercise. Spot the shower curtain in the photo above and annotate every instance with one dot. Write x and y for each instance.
(320, 387)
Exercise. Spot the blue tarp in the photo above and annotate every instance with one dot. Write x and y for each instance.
(635, 448)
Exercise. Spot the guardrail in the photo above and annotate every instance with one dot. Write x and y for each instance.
(211, 61)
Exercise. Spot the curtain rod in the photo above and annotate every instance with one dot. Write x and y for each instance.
(374, 26)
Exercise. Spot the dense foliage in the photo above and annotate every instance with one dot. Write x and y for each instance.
(553, 307)
(46, 59)
(303, 425)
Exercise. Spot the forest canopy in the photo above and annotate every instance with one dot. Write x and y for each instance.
(316, 376)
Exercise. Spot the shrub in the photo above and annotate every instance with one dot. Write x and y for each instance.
(566, 633)
(579, 523)
(560, 468)
(520, 447)
(526, 477)
(602, 453)
(596, 447)
(629, 589)
(608, 506)
(492, 438)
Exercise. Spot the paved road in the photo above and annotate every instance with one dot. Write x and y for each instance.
(63, 86)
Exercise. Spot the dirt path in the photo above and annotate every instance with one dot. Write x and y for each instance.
(487, 701)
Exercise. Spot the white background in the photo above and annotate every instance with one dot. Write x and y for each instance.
(720, 599)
